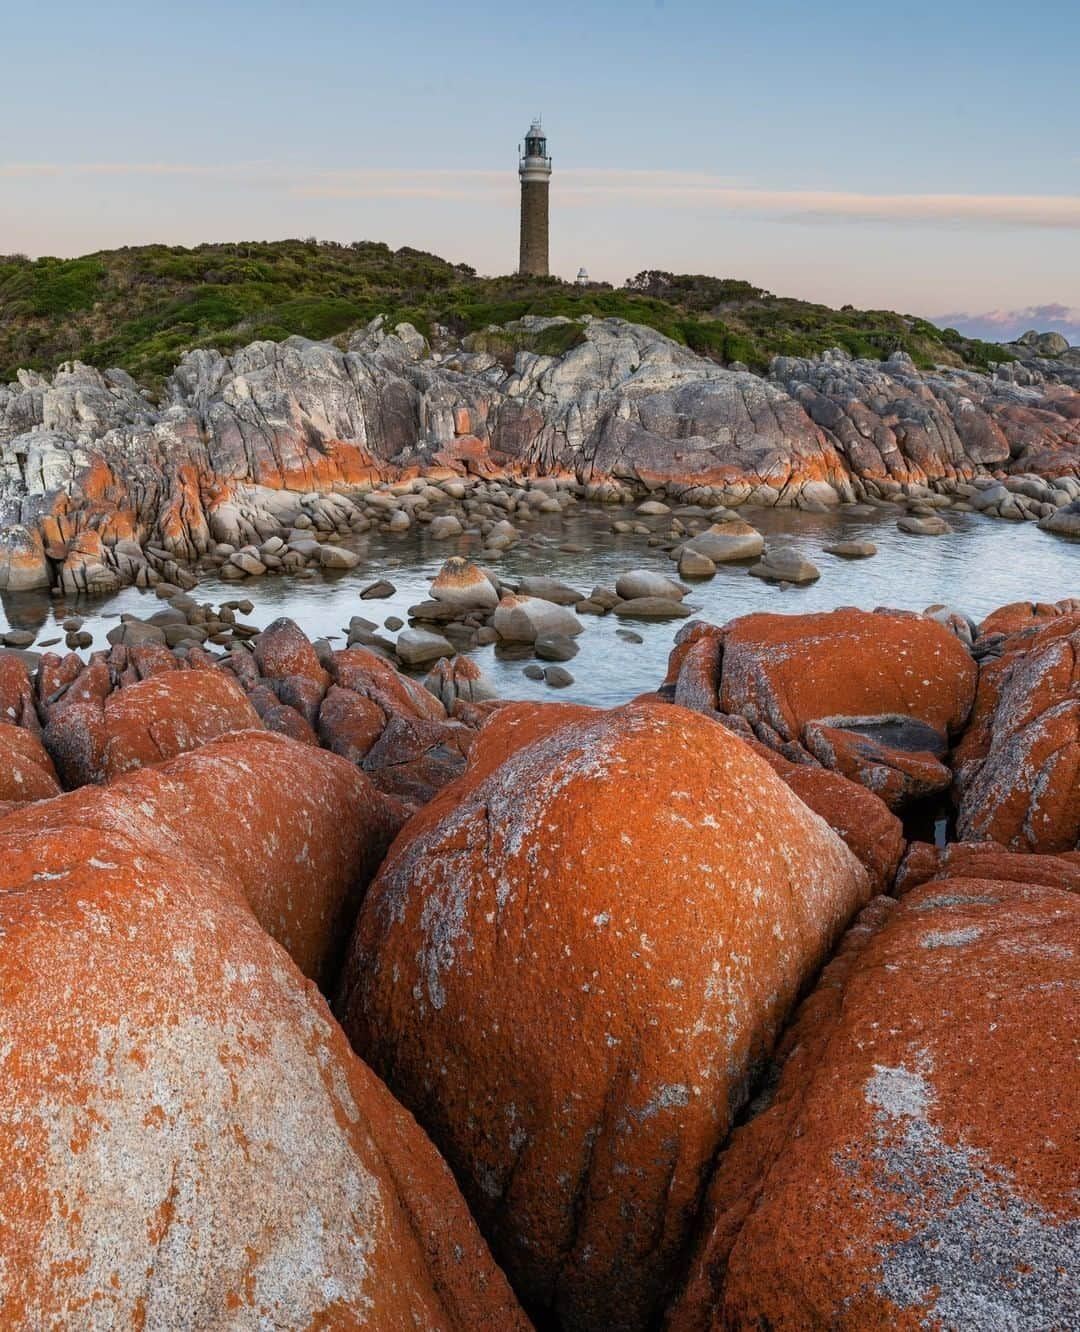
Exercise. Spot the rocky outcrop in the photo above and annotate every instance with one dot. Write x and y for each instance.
(100, 485)
(1018, 765)
(26, 771)
(188, 1140)
(142, 704)
(886, 1178)
(571, 982)
(877, 697)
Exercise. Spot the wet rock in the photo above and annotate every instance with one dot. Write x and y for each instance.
(462, 585)
(459, 679)
(582, 1148)
(851, 550)
(629, 636)
(692, 564)
(555, 648)
(533, 672)
(520, 619)
(641, 583)
(783, 564)
(724, 542)
(337, 557)
(444, 527)
(557, 677)
(923, 1198)
(549, 589)
(378, 590)
(417, 647)
(130, 633)
(652, 608)
(19, 638)
(929, 526)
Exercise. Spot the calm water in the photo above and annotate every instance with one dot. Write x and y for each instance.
(982, 564)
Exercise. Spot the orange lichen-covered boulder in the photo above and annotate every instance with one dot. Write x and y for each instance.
(300, 831)
(914, 1166)
(986, 860)
(787, 670)
(188, 1141)
(94, 736)
(26, 771)
(17, 694)
(1018, 766)
(569, 967)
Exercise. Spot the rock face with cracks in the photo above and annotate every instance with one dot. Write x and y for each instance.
(188, 1140)
(571, 982)
(1018, 766)
(100, 485)
(913, 1166)
(875, 696)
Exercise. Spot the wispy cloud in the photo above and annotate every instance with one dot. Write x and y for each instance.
(1005, 325)
(586, 187)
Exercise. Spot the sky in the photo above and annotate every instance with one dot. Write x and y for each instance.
(915, 156)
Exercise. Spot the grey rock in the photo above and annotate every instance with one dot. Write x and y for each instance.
(782, 564)
(417, 647)
(645, 583)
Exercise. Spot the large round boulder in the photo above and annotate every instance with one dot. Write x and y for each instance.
(569, 968)
(299, 831)
(188, 1141)
(913, 1163)
(95, 732)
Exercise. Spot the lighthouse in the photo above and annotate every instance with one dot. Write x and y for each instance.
(534, 171)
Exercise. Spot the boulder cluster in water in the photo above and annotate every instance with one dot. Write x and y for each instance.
(267, 458)
(328, 999)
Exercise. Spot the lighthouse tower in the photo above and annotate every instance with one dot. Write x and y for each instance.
(534, 170)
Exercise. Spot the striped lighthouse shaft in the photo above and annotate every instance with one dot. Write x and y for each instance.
(534, 228)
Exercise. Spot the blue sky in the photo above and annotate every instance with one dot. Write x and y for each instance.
(917, 156)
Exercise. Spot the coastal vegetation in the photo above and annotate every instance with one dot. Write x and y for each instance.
(141, 308)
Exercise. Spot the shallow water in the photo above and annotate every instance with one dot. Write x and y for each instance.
(982, 564)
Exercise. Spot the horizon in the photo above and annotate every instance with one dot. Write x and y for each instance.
(907, 189)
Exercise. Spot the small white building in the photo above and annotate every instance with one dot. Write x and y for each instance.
(582, 278)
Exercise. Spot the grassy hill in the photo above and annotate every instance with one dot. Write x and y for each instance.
(141, 308)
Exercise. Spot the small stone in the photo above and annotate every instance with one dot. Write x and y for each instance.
(555, 648)
(19, 638)
(444, 527)
(692, 564)
(394, 623)
(652, 608)
(783, 564)
(337, 557)
(652, 508)
(929, 526)
(533, 672)
(558, 677)
(377, 591)
(852, 550)
(629, 635)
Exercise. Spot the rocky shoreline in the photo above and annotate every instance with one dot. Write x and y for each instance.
(277, 457)
(336, 998)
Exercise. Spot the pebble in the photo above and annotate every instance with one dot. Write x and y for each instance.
(377, 591)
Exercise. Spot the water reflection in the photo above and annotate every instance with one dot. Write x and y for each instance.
(983, 563)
